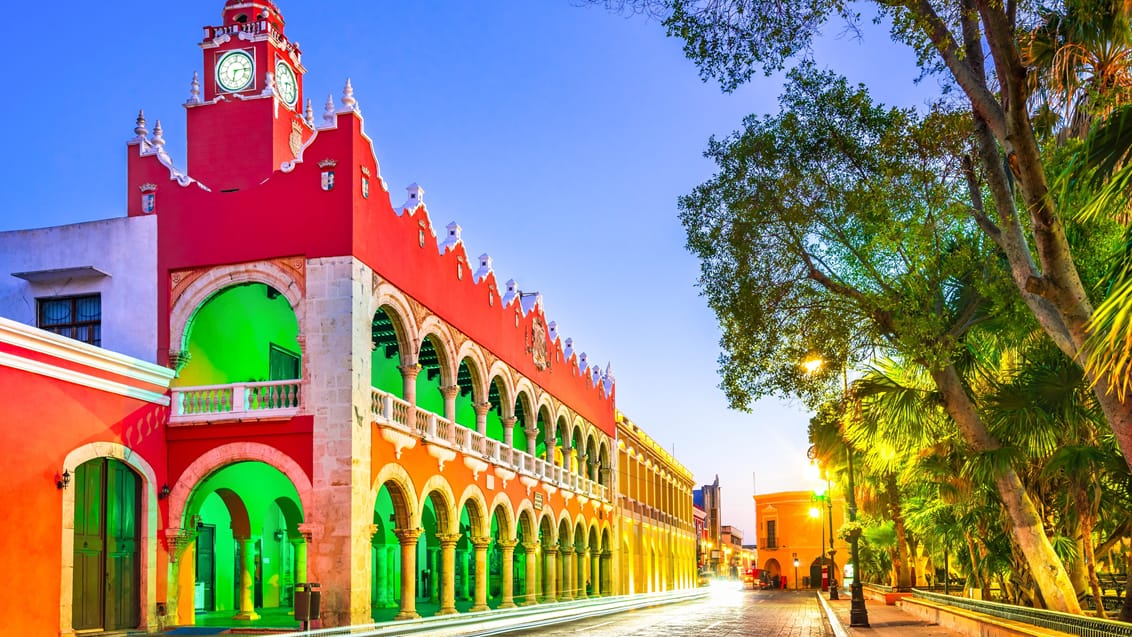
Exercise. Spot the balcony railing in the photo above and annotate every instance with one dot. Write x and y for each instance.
(391, 411)
(270, 400)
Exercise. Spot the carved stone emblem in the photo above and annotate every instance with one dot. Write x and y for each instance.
(538, 345)
(296, 139)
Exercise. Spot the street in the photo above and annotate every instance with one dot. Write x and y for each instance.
(729, 611)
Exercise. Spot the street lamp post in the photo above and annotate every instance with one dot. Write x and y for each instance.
(858, 613)
(795, 571)
(832, 579)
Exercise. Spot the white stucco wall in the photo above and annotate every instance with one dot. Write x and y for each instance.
(123, 247)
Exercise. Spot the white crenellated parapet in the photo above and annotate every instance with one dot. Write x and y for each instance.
(552, 331)
(583, 363)
(512, 292)
(595, 375)
(415, 199)
(194, 91)
(528, 302)
(310, 113)
(607, 379)
(452, 239)
(569, 351)
(484, 269)
(348, 101)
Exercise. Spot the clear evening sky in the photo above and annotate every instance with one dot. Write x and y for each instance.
(558, 136)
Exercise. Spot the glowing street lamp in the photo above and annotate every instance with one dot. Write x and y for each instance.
(795, 571)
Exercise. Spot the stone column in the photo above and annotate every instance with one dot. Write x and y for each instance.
(595, 574)
(408, 539)
(509, 431)
(550, 560)
(532, 441)
(568, 573)
(607, 573)
(481, 417)
(177, 540)
(507, 568)
(381, 579)
(581, 468)
(447, 573)
(449, 392)
(530, 596)
(409, 374)
(247, 580)
(582, 566)
(481, 545)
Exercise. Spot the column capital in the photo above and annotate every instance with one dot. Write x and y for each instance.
(177, 540)
(407, 536)
(410, 370)
(482, 408)
(448, 539)
(530, 431)
(509, 421)
(449, 391)
(481, 543)
(531, 546)
(566, 550)
(507, 544)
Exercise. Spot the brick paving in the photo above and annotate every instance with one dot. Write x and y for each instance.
(884, 621)
(730, 611)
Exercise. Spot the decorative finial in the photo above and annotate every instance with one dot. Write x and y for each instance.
(158, 138)
(194, 91)
(140, 129)
(348, 101)
(310, 113)
(328, 115)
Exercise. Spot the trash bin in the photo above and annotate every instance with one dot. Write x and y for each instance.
(308, 601)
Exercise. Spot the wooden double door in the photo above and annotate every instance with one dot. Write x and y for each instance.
(107, 566)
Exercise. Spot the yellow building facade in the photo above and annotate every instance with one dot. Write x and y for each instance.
(654, 523)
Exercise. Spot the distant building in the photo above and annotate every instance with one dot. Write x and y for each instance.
(699, 516)
(793, 525)
(707, 498)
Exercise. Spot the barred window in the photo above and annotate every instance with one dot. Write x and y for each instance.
(77, 317)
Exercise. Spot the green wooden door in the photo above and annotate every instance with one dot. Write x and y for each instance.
(90, 545)
(107, 573)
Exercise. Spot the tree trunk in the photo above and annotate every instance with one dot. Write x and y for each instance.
(1045, 566)
(900, 557)
(1090, 560)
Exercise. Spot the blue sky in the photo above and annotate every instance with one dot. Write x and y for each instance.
(559, 137)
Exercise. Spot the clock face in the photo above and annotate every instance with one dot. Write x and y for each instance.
(285, 84)
(234, 71)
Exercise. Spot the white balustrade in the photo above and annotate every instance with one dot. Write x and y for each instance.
(236, 401)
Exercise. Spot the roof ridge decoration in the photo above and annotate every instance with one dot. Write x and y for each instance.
(452, 239)
(155, 146)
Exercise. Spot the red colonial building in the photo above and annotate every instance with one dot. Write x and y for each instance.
(357, 401)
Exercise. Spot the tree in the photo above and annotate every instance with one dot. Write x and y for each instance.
(973, 46)
(836, 222)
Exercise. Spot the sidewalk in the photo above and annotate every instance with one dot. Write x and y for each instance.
(884, 621)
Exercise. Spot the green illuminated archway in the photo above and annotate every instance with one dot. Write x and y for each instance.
(243, 333)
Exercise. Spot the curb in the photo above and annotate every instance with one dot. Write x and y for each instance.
(834, 623)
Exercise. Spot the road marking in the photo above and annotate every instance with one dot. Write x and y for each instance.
(582, 630)
(709, 627)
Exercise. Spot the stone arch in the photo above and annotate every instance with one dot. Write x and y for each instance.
(224, 455)
(479, 515)
(393, 303)
(472, 355)
(547, 520)
(443, 500)
(435, 332)
(184, 305)
(502, 504)
(401, 492)
(526, 519)
(147, 551)
(565, 529)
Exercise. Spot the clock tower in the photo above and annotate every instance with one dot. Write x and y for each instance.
(245, 115)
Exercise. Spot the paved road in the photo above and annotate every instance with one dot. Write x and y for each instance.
(729, 612)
